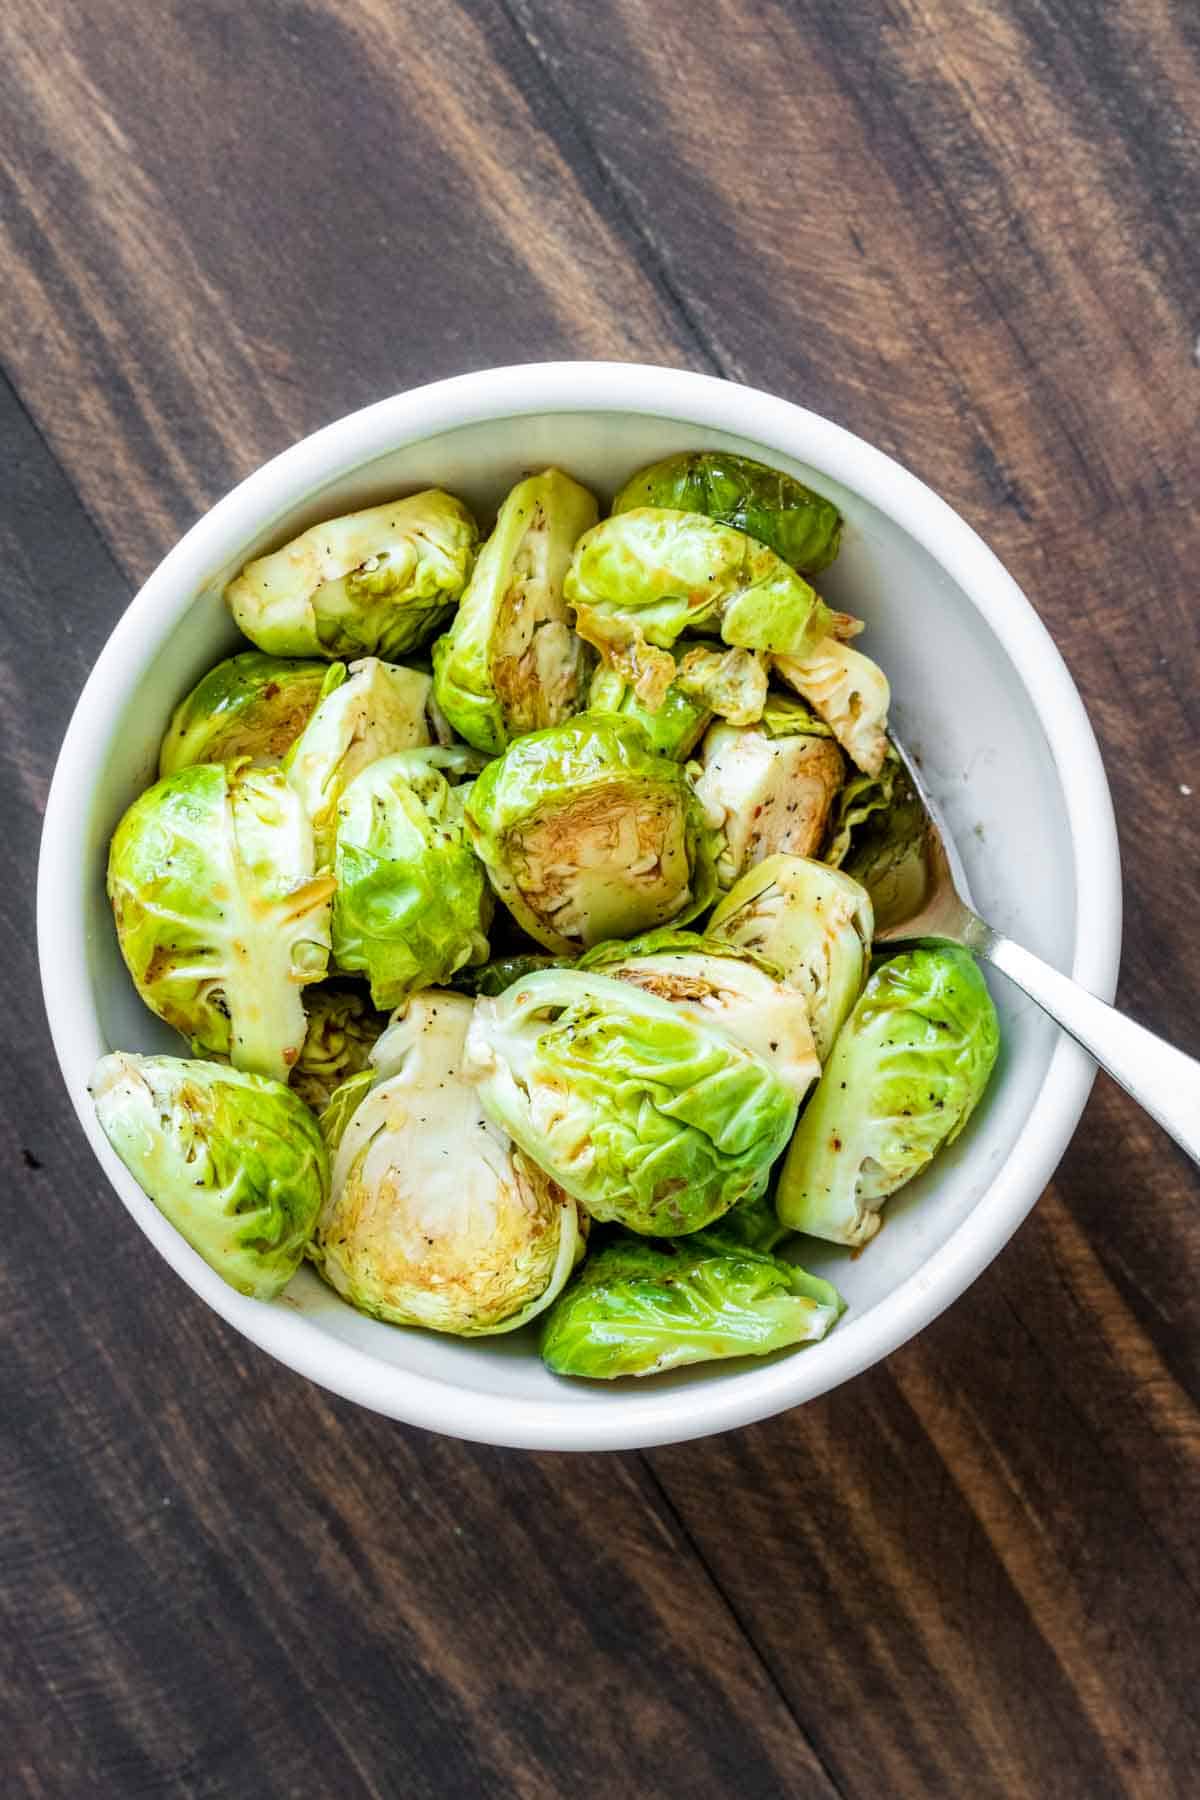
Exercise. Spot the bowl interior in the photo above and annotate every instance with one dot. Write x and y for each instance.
(959, 701)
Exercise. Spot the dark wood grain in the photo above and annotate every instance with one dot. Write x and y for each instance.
(968, 231)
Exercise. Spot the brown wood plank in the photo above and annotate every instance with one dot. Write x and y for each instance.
(965, 229)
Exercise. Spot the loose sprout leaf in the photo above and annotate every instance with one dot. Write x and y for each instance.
(234, 1161)
(250, 705)
(433, 1217)
(639, 581)
(647, 1116)
(412, 904)
(342, 1026)
(374, 583)
(673, 730)
(907, 1070)
(860, 798)
(511, 662)
(801, 526)
(639, 1307)
(220, 916)
(848, 691)
(587, 834)
(814, 923)
(495, 976)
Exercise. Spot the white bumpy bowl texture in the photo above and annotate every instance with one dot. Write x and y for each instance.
(979, 690)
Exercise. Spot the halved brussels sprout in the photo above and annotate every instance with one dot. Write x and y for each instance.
(412, 903)
(434, 1218)
(588, 835)
(849, 692)
(639, 581)
(718, 984)
(906, 1072)
(768, 788)
(234, 1161)
(799, 525)
(648, 1117)
(220, 917)
(248, 706)
(814, 923)
(373, 583)
(373, 711)
(640, 1308)
(342, 1027)
(511, 662)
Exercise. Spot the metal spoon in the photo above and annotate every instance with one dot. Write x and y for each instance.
(907, 861)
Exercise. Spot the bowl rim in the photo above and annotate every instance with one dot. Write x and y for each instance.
(622, 1419)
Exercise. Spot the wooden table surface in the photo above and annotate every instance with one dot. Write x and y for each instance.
(968, 230)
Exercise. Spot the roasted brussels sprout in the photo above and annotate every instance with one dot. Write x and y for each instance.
(511, 662)
(220, 916)
(906, 1071)
(779, 511)
(849, 692)
(373, 583)
(639, 581)
(434, 1218)
(342, 1027)
(718, 984)
(639, 1307)
(814, 923)
(374, 710)
(234, 1161)
(588, 835)
(648, 1117)
(770, 787)
(412, 903)
(248, 706)
(709, 680)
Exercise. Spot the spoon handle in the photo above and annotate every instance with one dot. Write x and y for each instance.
(1160, 1078)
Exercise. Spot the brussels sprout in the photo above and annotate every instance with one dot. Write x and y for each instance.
(639, 1307)
(342, 1026)
(511, 662)
(434, 1218)
(374, 583)
(802, 527)
(588, 835)
(850, 693)
(248, 706)
(378, 709)
(220, 917)
(648, 1117)
(412, 903)
(862, 797)
(642, 579)
(501, 972)
(674, 730)
(768, 788)
(718, 984)
(814, 923)
(755, 1224)
(235, 1162)
(906, 1071)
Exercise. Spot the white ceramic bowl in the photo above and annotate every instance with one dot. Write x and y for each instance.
(979, 690)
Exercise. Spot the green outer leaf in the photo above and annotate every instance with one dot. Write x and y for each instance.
(674, 730)
(236, 1162)
(646, 1116)
(374, 583)
(670, 939)
(801, 526)
(906, 1072)
(861, 796)
(219, 916)
(249, 705)
(343, 1104)
(412, 905)
(647, 577)
(502, 971)
(785, 716)
(641, 1308)
(549, 774)
(515, 595)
